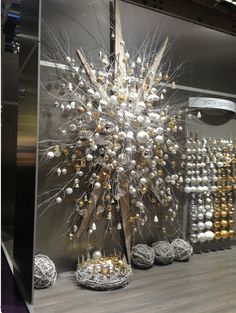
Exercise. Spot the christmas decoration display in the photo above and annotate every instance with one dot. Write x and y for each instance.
(116, 151)
(142, 256)
(182, 248)
(209, 183)
(103, 273)
(45, 273)
(164, 252)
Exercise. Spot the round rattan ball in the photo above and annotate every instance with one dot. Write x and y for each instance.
(164, 252)
(142, 256)
(45, 273)
(183, 250)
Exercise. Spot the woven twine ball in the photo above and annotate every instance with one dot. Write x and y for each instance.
(142, 256)
(183, 250)
(164, 252)
(45, 273)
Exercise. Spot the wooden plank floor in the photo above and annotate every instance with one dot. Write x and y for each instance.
(205, 284)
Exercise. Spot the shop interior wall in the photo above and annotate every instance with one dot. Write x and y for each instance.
(207, 59)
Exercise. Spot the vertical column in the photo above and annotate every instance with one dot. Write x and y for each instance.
(27, 148)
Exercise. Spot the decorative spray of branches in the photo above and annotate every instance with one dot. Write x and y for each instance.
(116, 147)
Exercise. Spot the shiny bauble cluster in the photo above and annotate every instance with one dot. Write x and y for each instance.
(207, 158)
(122, 141)
(223, 216)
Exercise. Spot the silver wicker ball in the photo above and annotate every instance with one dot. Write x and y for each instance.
(183, 249)
(164, 252)
(45, 273)
(142, 256)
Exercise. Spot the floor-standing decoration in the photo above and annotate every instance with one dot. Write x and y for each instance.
(117, 150)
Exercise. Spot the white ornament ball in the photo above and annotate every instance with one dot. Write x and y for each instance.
(209, 215)
(69, 191)
(201, 225)
(200, 216)
(187, 189)
(143, 181)
(97, 185)
(142, 136)
(140, 119)
(50, 154)
(208, 224)
(123, 159)
(89, 157)
(97, 255)
(58, 200)
(209, 235)
(201, 237)
(159, 139)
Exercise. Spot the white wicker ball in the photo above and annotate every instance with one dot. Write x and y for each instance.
(164, 252)
(183, 249)
(45, 273)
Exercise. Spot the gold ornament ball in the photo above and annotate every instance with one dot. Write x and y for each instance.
(217, 224)
(231, 233)
(231, 222)
(224, 234)
(231, 213)
(217, 235)
(224, 223)
(224, 213)
(216, 214)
